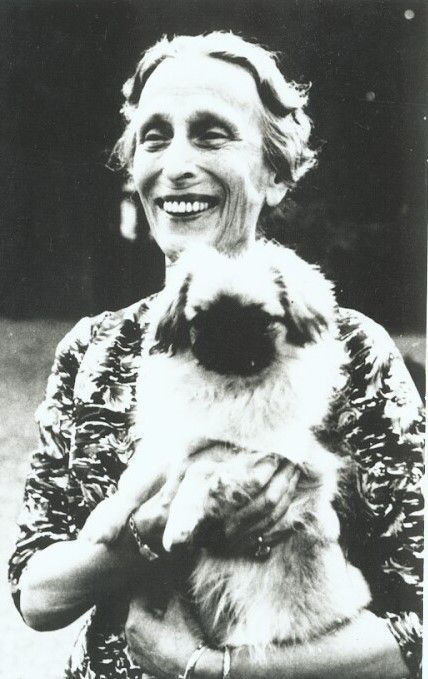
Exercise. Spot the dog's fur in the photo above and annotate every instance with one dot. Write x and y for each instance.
(240, 363)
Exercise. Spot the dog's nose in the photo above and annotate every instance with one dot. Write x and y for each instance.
(233, 338)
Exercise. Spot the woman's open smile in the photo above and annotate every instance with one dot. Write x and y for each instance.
(186, 206)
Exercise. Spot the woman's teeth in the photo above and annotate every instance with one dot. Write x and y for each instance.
(175, 207)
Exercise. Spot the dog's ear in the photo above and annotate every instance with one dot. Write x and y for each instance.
(307, 298)
(304, 324)
(172, 332)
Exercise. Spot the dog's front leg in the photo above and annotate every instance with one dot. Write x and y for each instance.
(187, 508)
(144, 476)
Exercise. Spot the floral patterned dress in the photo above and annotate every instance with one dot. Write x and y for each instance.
(85, 444)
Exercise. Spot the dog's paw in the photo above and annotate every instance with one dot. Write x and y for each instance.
(105, 522)
(179, 528)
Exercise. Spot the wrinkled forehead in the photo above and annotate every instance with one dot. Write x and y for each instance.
(185, 82)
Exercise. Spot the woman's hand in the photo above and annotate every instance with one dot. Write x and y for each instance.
(162, 644)
(260, 517)
(244, 526)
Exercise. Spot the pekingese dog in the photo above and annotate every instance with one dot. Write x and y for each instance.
(240, 364)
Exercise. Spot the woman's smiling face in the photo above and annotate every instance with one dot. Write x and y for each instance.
(199, 164)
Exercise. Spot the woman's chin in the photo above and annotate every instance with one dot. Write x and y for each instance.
(177, 238)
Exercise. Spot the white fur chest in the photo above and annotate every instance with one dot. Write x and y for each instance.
(180, 402)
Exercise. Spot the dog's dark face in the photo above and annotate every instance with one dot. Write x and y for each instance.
(234, 328)
(232, 337)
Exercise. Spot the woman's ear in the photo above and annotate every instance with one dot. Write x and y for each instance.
(275, 190)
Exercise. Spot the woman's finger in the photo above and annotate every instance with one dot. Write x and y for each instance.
(261, 508)
(269, 522)
(274, 498)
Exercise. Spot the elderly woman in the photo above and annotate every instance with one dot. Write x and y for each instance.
(214, 136)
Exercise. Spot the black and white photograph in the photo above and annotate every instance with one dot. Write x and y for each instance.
(212, 321)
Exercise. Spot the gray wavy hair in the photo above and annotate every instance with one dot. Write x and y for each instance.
(286, 126)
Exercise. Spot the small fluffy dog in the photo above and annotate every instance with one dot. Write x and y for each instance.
(240, 363)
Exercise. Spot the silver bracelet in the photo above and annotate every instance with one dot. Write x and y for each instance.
(144, 549)
(226, 662)
(191, 663)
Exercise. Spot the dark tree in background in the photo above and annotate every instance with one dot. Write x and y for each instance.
(361, 213)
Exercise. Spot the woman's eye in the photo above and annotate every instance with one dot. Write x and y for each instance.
(214, 137)
(154, 138)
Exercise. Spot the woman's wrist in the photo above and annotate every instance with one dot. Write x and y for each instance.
(143, 548)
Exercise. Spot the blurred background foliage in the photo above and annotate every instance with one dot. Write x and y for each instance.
(361, 213)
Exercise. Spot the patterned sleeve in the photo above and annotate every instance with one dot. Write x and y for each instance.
(387, 437)
(46, 516)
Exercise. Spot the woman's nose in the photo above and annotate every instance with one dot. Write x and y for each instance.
(179, 161)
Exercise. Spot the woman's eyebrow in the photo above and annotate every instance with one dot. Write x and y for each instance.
(204, 119)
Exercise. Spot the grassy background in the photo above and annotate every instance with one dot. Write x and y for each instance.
(25, 360)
